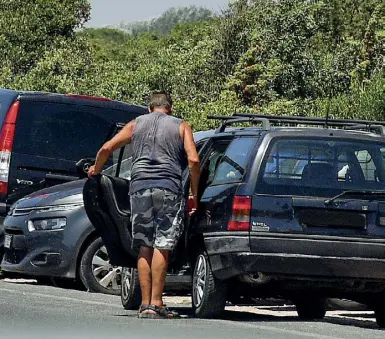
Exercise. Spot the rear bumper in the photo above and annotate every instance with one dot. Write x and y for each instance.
(229, 265)
(297, 256)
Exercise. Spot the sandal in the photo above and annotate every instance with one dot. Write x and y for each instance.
(141, 311)
(160, 313)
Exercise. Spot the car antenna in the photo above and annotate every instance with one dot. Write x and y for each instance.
(328, 109)
(330, 96)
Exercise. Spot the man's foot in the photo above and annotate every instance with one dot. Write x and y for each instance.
(156, 312)
(143, 309)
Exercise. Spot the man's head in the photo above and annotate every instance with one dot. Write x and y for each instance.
(161, 102)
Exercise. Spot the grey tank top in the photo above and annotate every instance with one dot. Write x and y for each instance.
(159, 158)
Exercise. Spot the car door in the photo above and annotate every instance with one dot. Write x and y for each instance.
(107, 204)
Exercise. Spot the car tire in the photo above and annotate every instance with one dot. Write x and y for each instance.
(95, 271)
(379, 313)
(131, 294)
(208, 293)
(311, 308)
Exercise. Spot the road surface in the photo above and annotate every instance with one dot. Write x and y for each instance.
(36, 311)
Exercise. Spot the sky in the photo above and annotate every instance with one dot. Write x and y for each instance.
(112, 12)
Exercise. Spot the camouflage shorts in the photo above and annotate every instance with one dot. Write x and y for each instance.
(157, 218)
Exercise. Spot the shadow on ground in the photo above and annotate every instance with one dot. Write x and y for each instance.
(349, 319)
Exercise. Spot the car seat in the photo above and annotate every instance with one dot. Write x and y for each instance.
(320, 173)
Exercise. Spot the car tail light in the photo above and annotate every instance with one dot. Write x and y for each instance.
(7, 136)
(87, 97)
(240, 219)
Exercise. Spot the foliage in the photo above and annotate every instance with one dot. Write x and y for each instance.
(289, 57)
(31, 29)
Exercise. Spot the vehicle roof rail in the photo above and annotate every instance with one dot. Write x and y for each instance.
(230, 120)
(379, 129)
(297, 120)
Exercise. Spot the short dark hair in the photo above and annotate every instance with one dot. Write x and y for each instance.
(160, 99)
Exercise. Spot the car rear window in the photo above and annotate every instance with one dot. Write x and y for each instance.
(319, 166)
(64, 131)
(232, 165)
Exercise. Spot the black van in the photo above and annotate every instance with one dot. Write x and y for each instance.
(43, 136)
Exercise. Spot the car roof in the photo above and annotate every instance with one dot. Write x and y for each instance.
(296, 131)
(72, 99)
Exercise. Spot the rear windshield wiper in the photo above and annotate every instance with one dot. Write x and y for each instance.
(353, 192)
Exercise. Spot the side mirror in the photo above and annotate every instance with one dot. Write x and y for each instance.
(83, 165)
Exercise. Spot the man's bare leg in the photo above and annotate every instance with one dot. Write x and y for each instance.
(144, 270)
(159, 271)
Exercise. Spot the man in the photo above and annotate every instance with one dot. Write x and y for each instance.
(161, 143)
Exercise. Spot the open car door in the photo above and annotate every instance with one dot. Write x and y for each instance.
(107, 204)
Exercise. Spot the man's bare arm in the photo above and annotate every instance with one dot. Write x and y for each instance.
(119, 140)
(193, 160)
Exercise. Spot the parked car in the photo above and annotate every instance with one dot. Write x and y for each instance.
(302, 230)
(43, 136)
(48, 234)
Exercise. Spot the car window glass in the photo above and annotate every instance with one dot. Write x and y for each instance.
(232, 164)
(307, 166)
(125, 168)
(111, 170)
(212, 156)
(367, 164)
(63, 131)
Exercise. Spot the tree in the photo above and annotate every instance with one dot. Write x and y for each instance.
(32, 29)
(164, 24)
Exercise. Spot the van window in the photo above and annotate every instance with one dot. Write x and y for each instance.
(64, 131)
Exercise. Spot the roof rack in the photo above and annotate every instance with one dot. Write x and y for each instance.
(347, 124)
(230, 120)
(310, 121)
(266, 120)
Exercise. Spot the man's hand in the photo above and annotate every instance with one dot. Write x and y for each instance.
(92, 172)
(193, 162)
(192, 205)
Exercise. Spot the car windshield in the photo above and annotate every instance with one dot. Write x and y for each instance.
(322, 167)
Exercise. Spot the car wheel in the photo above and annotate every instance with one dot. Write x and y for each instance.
(311, 308)
(96, 272)
(131, 295)
(208, 293)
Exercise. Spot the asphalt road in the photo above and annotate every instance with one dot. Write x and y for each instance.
(32, 311)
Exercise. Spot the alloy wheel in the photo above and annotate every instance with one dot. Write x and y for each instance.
(106, 275)
(126, 282)
(199, 281)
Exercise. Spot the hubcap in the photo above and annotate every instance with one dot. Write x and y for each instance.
(106, 275)
(199, 281)
(126, 282)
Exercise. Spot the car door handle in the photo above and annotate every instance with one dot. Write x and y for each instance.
(60, 177)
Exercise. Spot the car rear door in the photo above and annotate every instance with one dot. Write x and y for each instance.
(222, 173)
